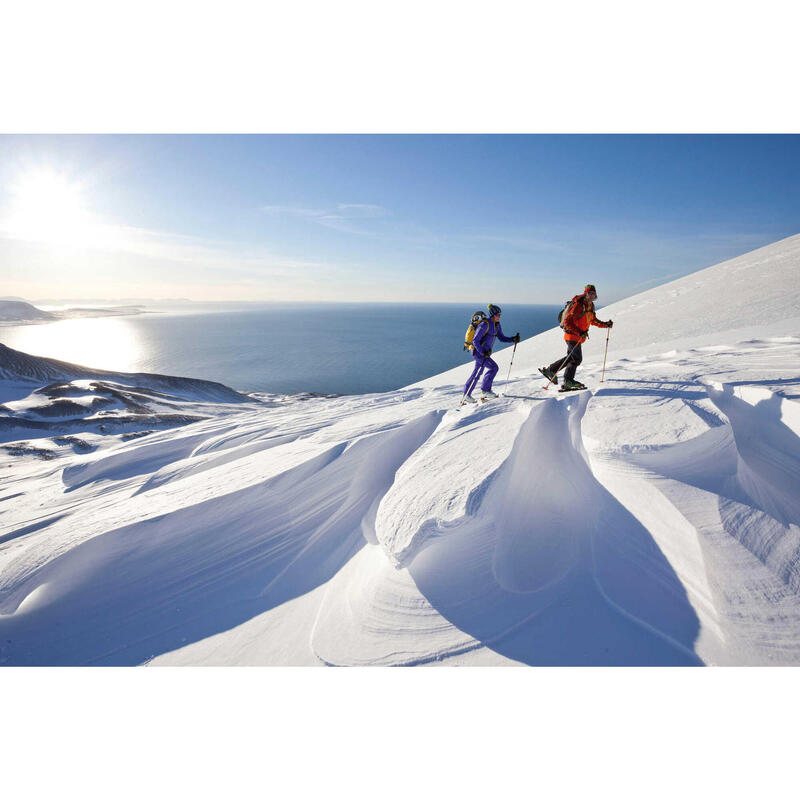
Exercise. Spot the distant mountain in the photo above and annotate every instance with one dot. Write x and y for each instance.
(19, 311)
(95, 301)
(95, 311)
(15, 299)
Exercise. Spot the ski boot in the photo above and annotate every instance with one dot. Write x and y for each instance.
(468, 400)
(488, 395)
(552, 377)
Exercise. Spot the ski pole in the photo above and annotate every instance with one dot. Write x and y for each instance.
(512, 361)
(608, 333)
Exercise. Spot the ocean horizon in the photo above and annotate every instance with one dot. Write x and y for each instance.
(285, 348)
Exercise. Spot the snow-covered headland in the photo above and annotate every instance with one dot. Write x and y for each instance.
(652, 520)
(18, 312)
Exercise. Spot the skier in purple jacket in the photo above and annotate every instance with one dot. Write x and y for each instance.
(482, 344)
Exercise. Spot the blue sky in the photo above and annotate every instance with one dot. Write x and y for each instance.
(384, 218)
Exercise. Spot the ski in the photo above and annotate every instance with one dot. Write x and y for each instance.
(479, 402)
(520, 397)
(566, 391)
(580, 388)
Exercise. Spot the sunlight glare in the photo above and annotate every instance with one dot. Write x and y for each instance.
(104, 343)
(48, 207)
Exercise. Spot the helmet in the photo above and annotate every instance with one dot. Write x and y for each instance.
(478, 317)
(493, 309)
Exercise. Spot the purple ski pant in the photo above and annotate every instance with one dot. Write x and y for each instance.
(488, 376)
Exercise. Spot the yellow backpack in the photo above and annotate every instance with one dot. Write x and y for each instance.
(476, 320)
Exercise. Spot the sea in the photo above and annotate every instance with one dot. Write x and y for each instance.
(283, 348)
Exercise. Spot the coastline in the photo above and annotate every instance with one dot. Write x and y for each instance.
(81, 313)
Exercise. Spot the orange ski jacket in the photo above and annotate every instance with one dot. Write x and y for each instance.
(579, 316)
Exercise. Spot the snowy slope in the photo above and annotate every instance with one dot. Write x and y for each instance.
(754, 295)
(652, 520)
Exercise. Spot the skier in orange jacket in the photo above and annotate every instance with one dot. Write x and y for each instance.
(578, 316)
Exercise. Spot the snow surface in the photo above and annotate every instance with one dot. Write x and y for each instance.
(654, 519)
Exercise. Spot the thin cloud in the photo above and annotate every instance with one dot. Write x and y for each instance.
(293, 211)
(362, 210)
(344, 217)
(520, 242)
(201, 255)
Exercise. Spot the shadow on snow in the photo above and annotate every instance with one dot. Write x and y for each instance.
(155, 586)
(553, 570)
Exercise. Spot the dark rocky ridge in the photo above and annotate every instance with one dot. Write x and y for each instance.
(106, 403)
(15, 365)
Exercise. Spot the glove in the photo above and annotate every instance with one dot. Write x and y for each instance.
(611, 323)
(487, 353)
(515, 338)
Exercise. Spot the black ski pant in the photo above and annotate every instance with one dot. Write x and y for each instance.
(571, 362)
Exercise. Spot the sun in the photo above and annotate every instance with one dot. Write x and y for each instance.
(49, 207)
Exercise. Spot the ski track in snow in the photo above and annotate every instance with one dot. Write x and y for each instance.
(652, 520)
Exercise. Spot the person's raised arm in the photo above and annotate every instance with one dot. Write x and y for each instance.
(600, 324)
(500, 335)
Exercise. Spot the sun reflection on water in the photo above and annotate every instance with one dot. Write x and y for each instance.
(105, 343)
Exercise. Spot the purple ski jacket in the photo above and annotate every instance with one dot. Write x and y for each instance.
(485, 335)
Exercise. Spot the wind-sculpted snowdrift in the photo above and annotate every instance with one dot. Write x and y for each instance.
(723, 508)
(766, 433)
(199, 568)
(652, 520)
(752, 466)
(527, 568)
